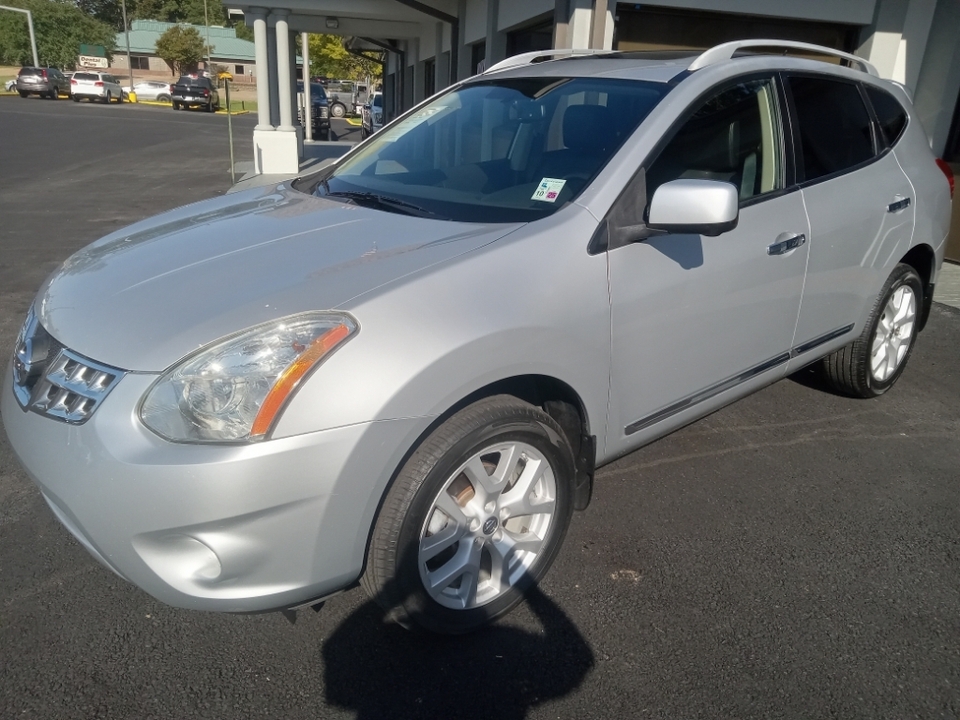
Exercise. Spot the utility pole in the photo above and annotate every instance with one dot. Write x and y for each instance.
(33, 38)
(126, 34)
(206, 21)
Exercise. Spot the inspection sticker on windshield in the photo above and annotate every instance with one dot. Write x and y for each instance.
(548, 189)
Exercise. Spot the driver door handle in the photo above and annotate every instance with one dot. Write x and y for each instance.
(783, 245)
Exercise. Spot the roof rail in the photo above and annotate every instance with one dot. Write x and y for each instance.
(727, 50)
(531, 57)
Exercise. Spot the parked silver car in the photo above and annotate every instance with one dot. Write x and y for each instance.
(239, 406)
(151, 90)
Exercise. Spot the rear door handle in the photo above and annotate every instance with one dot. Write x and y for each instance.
(901, 203)
(783, 245)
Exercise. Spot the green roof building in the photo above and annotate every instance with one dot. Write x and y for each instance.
(227, 49)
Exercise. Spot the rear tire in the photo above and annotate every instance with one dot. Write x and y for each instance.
(163, 98)
(338, 110)
(474, 518)
(22, 93)
(871, 364)
(75, 98)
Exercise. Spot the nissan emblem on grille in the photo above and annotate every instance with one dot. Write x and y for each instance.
(51, 380)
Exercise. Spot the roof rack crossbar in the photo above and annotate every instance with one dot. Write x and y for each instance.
(726, 51)
(531, 57)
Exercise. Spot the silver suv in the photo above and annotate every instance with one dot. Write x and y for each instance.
(238, 406)
(45, 82)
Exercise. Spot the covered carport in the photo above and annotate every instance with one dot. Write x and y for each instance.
(390, 25)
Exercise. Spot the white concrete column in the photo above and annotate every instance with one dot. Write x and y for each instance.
(307, 98)
(283, 71)
(441, 65)
(259, 16)
(463, 69)
(896, 41)
(278, 151)
(496, 40)
(297, 127)
(580, 24)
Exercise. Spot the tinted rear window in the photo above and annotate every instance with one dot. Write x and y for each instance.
(30, 71)
(892, 116)
(835, 128)
(197, 82)
(85, 76)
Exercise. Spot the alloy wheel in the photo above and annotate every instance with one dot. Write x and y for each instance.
(487, 526)
(894, 333)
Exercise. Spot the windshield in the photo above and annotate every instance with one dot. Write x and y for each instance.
(507, 150)
(316, 90)
(378, 101)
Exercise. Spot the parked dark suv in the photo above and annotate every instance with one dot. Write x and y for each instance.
(320, 114)
(196, 91)
(45, 82)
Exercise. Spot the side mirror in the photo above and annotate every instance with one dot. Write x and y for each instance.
(701, 207)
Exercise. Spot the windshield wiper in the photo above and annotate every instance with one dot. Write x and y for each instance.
(385, 202)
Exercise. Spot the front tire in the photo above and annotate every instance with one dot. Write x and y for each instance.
(871, 364)
(474, 518)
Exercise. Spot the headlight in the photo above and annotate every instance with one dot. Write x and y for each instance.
(234, 389)
(377, 118)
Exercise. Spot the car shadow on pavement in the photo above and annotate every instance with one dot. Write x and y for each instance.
(383, 671)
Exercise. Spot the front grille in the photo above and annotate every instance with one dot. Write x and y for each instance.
(51, 380)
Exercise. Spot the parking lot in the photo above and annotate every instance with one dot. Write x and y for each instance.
(795, 555)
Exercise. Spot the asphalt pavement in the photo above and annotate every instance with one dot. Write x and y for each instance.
(794, 555)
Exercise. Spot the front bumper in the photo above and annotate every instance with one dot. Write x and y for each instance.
(227, 528)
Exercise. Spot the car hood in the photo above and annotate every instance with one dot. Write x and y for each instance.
(143, 297)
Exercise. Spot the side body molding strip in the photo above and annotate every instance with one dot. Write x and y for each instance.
(724, 385)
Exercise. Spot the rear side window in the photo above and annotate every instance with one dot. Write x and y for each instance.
(194, 82)
(890, 114)
(834, 126)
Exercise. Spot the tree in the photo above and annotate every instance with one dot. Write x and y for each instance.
(328, 57)
(108, 11)
(61, 27)
(181, 48)
(177, 11)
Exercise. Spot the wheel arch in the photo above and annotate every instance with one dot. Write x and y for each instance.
(557, 398)
(923, 259)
